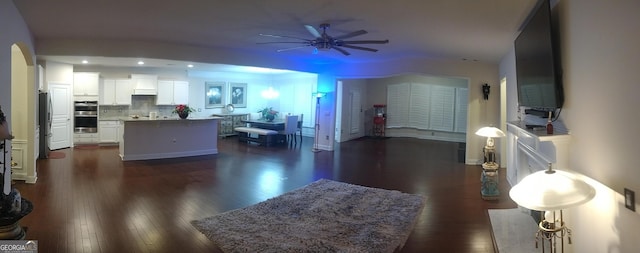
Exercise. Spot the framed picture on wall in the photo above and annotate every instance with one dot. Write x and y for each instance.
(238, 93)
(214, 94)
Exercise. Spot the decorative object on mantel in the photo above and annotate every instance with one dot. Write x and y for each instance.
(183, 111)
(549, 191)
(268, 113)
(12, 206)
(489, 178)
(549, 125)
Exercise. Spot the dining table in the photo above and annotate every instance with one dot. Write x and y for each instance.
(276, 124)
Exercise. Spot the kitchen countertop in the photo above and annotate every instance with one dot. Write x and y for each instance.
(146, 118)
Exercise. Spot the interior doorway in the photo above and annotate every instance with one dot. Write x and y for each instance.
(503, 120)
(23, 114)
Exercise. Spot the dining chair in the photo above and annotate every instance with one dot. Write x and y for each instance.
(283, 115)
(290, 128)
(301, 116)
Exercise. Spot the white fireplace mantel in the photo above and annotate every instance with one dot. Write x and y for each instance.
(531, 150)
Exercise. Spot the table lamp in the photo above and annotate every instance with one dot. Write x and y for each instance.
(489, 178)
(549, 191)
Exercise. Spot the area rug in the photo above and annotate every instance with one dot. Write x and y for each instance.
(324, 216)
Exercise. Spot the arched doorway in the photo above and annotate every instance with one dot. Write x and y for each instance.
(23, 114)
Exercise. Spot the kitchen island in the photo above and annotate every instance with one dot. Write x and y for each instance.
(144, 138)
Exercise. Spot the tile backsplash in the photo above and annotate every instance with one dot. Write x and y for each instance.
(140, 105)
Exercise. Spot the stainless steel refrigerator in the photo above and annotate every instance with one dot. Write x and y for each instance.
(44, 119)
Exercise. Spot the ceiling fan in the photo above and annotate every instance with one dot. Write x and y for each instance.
(323, 41)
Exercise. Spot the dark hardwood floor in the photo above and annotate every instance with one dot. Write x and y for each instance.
(90, 201)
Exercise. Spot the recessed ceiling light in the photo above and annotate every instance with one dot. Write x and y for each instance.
(140, 63)
(85, 61)
(190, 65)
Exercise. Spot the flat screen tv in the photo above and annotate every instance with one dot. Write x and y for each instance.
(538, 69)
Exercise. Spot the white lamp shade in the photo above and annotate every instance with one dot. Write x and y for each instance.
(546, 191)
(493, 132)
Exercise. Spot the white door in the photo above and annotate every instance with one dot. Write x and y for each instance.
(60, 116)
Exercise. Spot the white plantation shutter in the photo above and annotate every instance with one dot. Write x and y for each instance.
(442, 108)
(461, 104)
(398, 105)
(427, 107)
(419, 103)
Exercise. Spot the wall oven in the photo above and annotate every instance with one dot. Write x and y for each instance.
(85, 117)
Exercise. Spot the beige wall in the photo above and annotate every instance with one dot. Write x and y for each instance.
(600, 59)
(17, 33)
(19, 88)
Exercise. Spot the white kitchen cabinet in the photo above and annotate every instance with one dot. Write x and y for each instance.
(115, 92)
(86, 83)
(85, 138)
(41, 85)
(109, 131)
(172, 92)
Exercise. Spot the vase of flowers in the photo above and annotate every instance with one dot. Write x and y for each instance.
(268, 113)
(183, 111)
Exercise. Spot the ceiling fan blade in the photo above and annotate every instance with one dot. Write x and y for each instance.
(349, 35)
(341, 50)
(361, 48)
(284, 42)
(282, 36)
(291, 48)
(365, 42)
(313, 31)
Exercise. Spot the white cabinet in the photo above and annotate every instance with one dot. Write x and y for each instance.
(85, 83)
(109, 131)
(41, 85)
(180, 92)
(529, 151)
(85, 138)
(144, 84)
(115, 92)
(172, 92)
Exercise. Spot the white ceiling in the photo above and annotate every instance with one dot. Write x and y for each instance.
(474, 30)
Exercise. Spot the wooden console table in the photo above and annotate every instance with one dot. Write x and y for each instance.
(230, 121)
